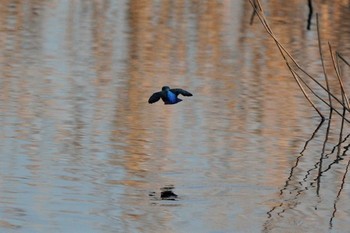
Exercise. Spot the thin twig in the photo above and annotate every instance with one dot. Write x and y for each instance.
(322, 61)
(296, 77)
(341, 57)
(344, 112)
(253, 14)
(288, 65)
(281, 48)
(341, 133)
(325, 102)
(338, 76)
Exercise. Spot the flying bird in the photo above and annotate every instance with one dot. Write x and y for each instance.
(169, 96)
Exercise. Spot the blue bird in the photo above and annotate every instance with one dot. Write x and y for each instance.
(169, 96)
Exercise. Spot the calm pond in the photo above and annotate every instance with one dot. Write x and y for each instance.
(81, 150)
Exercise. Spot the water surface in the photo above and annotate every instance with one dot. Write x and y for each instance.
(81, 150)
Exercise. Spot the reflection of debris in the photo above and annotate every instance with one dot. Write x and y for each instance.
(165, 194)
(168, 195)
(152, 194)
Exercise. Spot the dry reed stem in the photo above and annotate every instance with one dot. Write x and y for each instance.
(341, 133)
(325, 102)
(296, 78)
(341, 57)
(338, 76)
(253, 14)
(344, 112)
(322, 61)
(283, 49)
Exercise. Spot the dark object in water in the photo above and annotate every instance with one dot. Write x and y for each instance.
(165, 194)
(169, 96)
(310, 15)
(168, 195)
(152, 194)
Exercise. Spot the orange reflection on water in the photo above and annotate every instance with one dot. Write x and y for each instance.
(79, 140)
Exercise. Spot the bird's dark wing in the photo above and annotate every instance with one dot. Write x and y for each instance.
(178, 91)
(154, 97)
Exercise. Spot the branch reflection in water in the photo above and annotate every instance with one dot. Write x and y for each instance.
(290, 194)
(315, 178)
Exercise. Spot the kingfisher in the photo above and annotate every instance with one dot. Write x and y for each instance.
(169, 96)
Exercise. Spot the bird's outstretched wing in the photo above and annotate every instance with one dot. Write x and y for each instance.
(178, 91)
(155, 97)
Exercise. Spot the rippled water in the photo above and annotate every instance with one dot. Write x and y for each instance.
(81, 150)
